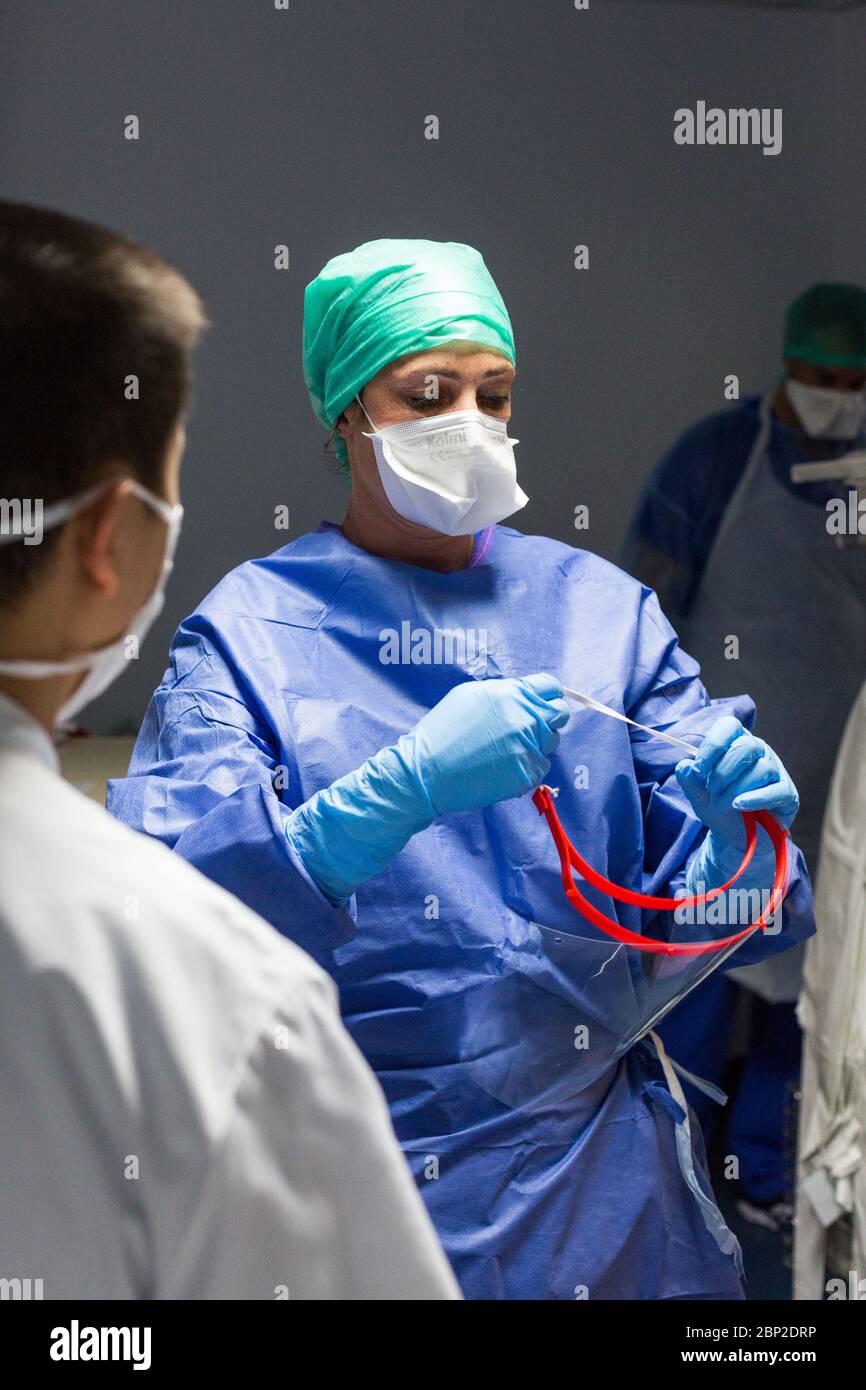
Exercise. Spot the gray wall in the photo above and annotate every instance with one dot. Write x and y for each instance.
(260, 127)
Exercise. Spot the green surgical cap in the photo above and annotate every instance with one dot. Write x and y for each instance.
(827, 325)
(388, 298)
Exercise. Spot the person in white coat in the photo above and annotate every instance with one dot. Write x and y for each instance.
(183, 1113)
(830, 1230)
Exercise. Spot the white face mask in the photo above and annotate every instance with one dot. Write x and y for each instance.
(825, 413)
(454, 473)
(106, 664)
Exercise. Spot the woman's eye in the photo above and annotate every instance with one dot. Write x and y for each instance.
(437, 403)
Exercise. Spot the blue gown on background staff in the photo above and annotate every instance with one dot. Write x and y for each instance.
(733, 545)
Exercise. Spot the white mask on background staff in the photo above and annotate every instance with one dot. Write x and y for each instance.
(454, 473)
(826, 413)
(106, 664)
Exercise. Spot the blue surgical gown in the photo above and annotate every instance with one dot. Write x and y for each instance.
(466, 969)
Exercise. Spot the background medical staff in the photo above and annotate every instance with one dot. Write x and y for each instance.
(554, 1157)
(184, 1115)
(734, 547)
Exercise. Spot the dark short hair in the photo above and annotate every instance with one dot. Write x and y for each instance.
(82, 310)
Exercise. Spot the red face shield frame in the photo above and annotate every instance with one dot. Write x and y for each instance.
(570, 860)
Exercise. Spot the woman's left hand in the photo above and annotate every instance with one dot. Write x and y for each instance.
(734, 771)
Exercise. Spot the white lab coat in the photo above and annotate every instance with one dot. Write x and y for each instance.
(183, 1113)
(832, 1012)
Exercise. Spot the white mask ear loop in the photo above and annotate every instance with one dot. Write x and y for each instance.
(364, 408)
(58, 512)
(159, 505)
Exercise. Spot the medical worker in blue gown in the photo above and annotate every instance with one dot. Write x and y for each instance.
(733, 545)
(544, 1125)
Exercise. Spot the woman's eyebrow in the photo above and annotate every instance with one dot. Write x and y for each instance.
(420, 373)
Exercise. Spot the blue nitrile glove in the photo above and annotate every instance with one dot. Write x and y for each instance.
(486, 741)
(734, 771)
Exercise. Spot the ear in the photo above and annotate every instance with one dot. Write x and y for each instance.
(348, 420)
(97, 537)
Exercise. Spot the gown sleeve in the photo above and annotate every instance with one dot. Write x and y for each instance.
(205, 779)
(666, 692)
(682, 505)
